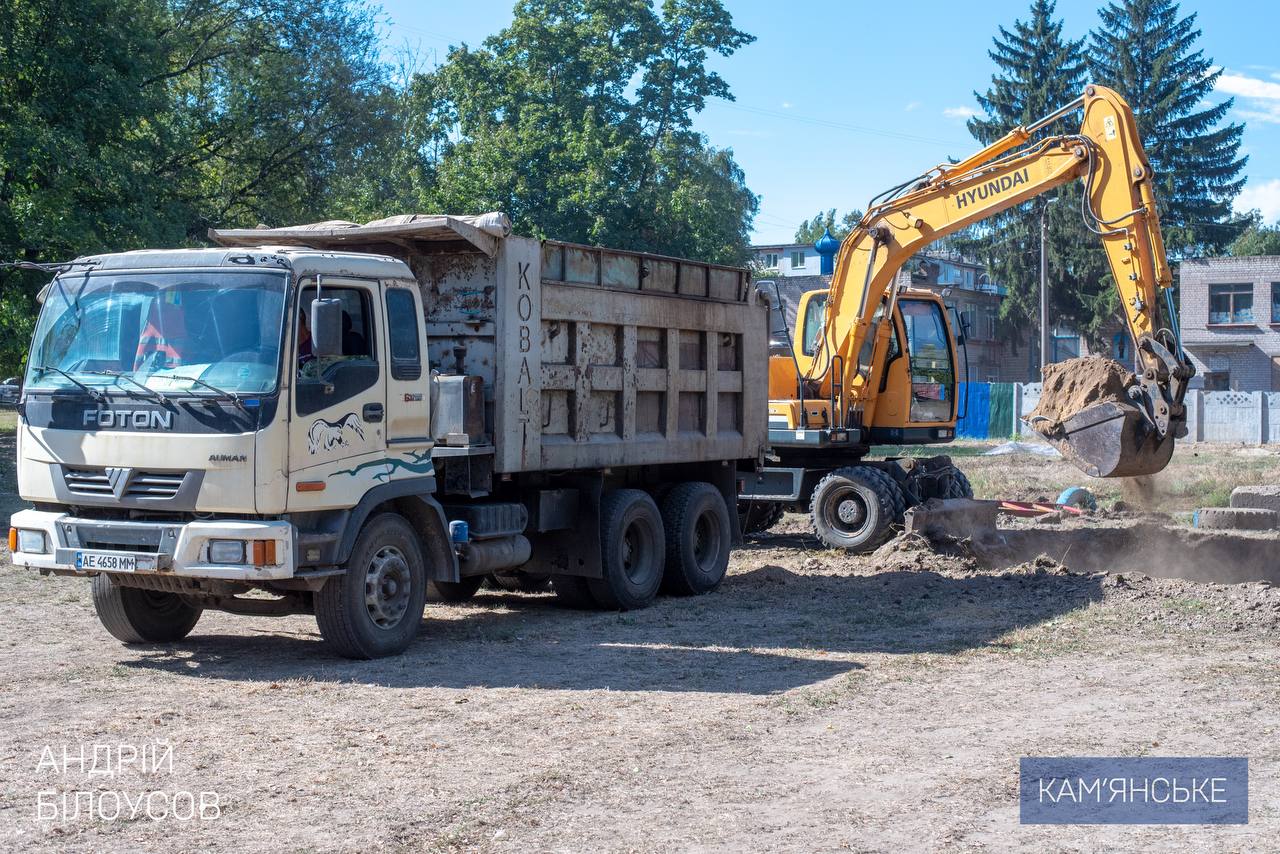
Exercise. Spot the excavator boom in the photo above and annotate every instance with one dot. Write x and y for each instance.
(1108, 437)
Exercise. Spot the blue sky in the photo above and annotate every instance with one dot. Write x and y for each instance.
(837, 101)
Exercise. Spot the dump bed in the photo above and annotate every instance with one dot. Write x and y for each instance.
(591, 357)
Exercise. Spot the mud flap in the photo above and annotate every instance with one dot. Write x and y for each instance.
(1112, 440)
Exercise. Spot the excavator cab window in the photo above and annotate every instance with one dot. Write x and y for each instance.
(814, 315)
(929, 349)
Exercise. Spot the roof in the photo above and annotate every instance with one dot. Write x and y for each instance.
(301, 260)
(393, 234)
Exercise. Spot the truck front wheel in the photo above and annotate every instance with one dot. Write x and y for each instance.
(137, 615)
(632, 551)
(375, 607)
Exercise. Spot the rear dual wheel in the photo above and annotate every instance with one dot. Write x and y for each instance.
(682, 549)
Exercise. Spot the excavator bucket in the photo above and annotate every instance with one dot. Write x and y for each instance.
(1112, 440)
(1095, 413)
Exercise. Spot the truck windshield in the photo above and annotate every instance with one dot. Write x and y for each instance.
(119, 331)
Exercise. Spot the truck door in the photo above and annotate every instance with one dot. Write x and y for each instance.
(408, 381)
(337, 436)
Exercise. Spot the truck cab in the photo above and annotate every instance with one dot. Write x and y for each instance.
(348, 431)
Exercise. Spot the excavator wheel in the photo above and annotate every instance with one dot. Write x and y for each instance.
(759, 516)
(856, 508)
(959, 486)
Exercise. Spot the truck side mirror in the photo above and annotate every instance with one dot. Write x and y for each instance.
(326, 327)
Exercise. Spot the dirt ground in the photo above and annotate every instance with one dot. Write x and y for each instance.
(817, 701)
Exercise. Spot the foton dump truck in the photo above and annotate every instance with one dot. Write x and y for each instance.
(342, 416)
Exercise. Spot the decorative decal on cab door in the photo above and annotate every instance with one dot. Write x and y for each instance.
(327, 435)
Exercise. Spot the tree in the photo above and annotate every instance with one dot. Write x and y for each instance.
(130, 123)
(1257, 239)
(1039, 70)
(810, 230)
(577, 121)
(1146, 52)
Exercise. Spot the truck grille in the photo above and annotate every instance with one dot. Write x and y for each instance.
(104, 483)
(88, 481)
(145, 484)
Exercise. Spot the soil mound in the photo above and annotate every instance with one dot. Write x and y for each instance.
(1070, 386)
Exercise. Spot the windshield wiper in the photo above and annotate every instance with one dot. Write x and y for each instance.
(94, 393)
(120, 375)
(229, 395)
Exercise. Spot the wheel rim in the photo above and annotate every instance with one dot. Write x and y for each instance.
(847, 511)
(706, 541)
(637, 551)
(387, 587)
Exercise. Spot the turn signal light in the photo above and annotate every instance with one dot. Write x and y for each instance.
(13, 539)
(264, 553)
(310, 486)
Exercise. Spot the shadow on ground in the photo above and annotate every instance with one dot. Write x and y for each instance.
(765, 631)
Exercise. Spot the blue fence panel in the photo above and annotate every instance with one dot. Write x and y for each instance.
(975, 403)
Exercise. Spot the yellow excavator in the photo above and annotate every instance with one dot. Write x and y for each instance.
(873, 363)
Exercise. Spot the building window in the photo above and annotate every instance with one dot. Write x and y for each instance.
(1275, 302)
(1217, 381)
(797, 260)
(1231, 303)
(769, 260)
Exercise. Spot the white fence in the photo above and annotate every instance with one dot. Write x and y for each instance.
(1247, 417)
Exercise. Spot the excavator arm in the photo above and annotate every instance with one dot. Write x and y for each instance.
(1110, 439)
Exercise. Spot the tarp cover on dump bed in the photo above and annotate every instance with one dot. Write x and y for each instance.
(396, 232)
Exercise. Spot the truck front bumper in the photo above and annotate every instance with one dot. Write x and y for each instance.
(158, 548)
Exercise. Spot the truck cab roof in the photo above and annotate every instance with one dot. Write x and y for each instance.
(302, 261)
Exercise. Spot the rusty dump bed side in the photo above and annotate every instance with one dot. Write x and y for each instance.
(595, 358)
(591, 357)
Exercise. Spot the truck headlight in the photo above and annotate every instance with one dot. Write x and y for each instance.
(32, 542)
(226, 551)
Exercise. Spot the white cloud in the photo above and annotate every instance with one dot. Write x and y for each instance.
(911, 106)
(1248, 87)
(1270, 113)
(960, 112)
(1264, 197)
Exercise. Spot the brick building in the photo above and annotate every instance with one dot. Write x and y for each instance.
(1230, 313)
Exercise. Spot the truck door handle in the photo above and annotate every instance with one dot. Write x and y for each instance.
(373, 412)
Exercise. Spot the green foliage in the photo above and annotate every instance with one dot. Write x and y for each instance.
(810, 230)
(1257, 239)
(1147, 53)
(576, 120)
(131, 123)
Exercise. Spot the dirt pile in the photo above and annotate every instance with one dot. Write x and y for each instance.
(1070, 386)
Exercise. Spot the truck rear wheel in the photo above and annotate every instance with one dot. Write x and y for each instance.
(759, 516)
(454, 591)
(855, 508)
(633, 549)
(697, 528)
(136, 615)
(375, 607)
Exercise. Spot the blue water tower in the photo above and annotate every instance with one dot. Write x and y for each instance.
(827, 247)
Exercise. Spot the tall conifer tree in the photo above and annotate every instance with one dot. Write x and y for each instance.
(1145, 51)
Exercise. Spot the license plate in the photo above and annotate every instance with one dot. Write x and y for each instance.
(107, 561)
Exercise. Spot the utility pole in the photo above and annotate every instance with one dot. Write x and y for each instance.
(1044, 284)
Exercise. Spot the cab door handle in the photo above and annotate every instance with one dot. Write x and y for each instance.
(373, 412)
